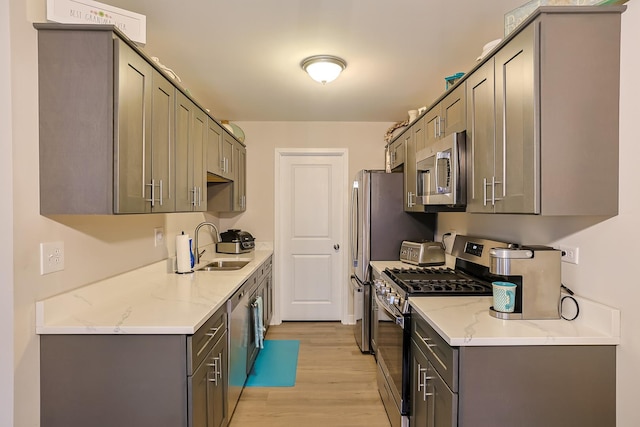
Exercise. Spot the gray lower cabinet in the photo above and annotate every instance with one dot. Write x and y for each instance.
(136, 380)
(541, 113)
(524, 386)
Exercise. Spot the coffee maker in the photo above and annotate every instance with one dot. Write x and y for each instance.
(536, 272)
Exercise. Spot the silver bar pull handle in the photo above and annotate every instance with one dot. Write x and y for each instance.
(484, 191)
(160, 192)
(153, 186)
(421, 371)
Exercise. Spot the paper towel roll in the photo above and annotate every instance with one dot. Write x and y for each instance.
(183, 253)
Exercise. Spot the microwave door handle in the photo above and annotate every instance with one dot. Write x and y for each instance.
(442, 155)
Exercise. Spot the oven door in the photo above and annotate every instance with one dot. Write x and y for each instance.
(392, 352)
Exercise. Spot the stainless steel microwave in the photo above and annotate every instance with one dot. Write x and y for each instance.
(442, 172)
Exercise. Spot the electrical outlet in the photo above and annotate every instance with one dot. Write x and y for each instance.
(158, 236)
(51, 257)
(569, 254)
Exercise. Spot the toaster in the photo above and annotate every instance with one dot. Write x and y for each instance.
(235, 241)
(422, 253)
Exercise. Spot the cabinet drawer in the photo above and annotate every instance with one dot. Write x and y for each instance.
(200, 343)
(442, 356)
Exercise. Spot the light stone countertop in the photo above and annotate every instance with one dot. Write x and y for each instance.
(149, 300)
(465, 321)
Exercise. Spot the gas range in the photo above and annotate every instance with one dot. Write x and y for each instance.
(470, 277)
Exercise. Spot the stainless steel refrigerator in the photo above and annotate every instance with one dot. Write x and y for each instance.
(378, 226)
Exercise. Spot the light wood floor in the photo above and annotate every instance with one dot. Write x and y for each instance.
(335, 383)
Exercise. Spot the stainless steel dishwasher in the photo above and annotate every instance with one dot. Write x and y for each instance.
(239, 322)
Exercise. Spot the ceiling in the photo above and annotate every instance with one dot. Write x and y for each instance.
(241, 58)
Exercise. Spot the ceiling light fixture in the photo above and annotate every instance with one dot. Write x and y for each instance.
(323, 68)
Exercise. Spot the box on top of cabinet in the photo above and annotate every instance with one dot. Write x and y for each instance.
(515, 17)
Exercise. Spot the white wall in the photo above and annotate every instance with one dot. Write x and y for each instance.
(6, 225)
(365, 142)
(608, 247)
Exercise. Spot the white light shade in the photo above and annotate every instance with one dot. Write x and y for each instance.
(323, 68)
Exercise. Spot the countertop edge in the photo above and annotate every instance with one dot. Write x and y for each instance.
(149, 300)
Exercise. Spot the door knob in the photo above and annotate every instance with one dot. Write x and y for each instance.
(336, 246)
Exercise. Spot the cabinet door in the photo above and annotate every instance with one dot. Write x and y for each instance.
(200, 412)
(432, 125)
(226, 155)
(199, 159)
(268, 306)
(191, 134)
(214, 147)
(442, 403)
(517, 159)
(418, 394)
(162, 145)
(217, 397)
(410, 174)
(397, 152)
(419, 134)
(454, 112)
(239, 177)
(480, 138)
(184, 178)
(133, 145)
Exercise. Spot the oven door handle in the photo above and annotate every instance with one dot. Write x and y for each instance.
(356, 286)
(398, 317)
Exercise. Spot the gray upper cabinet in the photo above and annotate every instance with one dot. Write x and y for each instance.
(144, 148)
(396, 152)
(226, 155)
(446, 117)
(542, 117)
(117, 136)
(227, 191)
(161, 185)
(191, 156)
(134, 84)
(214, 148)
(480, 136)
(410, 170)
(240, 177)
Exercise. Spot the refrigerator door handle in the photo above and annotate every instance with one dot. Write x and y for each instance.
(356, 286)
(355, 227)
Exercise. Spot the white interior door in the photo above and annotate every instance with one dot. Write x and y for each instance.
(310, 227)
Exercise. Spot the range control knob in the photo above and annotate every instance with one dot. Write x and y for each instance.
(392, 298)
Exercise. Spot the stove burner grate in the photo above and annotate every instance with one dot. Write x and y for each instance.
(436, 281)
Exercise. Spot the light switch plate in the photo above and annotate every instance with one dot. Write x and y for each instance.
(51, 257)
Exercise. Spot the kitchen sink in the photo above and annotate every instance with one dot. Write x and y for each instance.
(222, 265)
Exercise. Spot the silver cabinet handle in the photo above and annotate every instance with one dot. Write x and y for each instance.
(421, 370)
(153, 186)
(410, 202)
(484, 191)
(160, 192)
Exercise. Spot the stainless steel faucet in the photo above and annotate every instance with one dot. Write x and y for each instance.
(197, 252)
